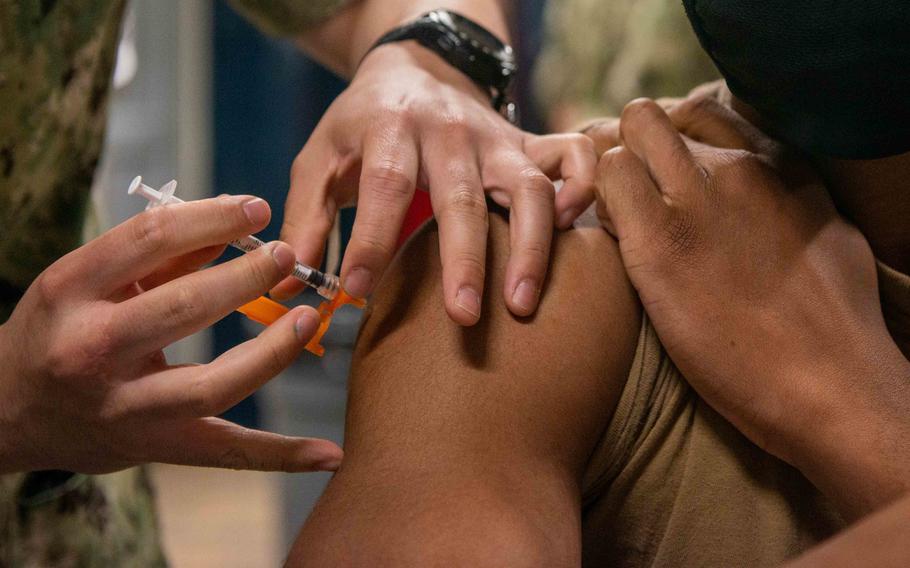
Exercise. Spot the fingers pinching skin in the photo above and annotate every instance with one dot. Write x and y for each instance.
(628, 201)
(458, 201)
(213, 442)
(530, 236)
(157, 318)
(387, 183)
(208, 390)
(571, 158)
(137, 247)
(646, 130)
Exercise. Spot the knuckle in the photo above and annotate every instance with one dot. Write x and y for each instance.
(49, 285)
(229, 211)
(603, 135)
(59, 361)
(582, 142)
(88, 357)
(202, 397)
(398, 116)
(370, 243)
(535, 184)
(465, 201)
(388, 181)
(470, 265)
(453, 123)
(536, 251)
(696, 107)
(739, 167)
(606, 163)
(261, 270)
(151, 230)
(111, 412)
(185, 306)
(298, 166)
(640, 110)
(615, 159)
(237, 459)
(103, 339)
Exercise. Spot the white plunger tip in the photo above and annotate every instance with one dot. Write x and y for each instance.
(136, 186)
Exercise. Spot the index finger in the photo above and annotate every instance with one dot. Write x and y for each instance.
(387, 184)
(646, 130)
(137, 247)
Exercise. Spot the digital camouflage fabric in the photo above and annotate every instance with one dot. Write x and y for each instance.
(56, 61)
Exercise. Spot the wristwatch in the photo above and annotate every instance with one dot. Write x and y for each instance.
(467, 46)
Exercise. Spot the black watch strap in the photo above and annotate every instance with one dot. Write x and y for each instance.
(470, 57)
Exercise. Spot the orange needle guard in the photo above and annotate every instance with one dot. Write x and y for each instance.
(267, 312)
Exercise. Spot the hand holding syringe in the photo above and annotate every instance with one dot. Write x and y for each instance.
(263, 310)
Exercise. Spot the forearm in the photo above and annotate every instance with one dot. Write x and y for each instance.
(859, 455)
(341, 42)
(879, 541)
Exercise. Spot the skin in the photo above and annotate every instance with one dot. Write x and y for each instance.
(771, 268)
(879, 540)
(825, 279)
(142, 410)
(89, 389)
(438, 438)
(410, 120)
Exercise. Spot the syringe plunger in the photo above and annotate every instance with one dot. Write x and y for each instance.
(327, 285)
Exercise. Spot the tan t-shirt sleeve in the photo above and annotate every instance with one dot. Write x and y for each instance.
(671, 483)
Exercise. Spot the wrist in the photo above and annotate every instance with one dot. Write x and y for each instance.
(858, 453)
(409, 55)
(376, 18)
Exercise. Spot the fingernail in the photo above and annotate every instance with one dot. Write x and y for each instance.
(257, 211)
(525, 295)
(468, 300)
(283, 256)
(358, 282)
(306, 325)
(331, 464)
(567, 217)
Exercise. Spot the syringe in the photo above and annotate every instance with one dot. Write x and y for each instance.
(327, 285)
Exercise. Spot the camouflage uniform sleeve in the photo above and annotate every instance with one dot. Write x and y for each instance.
(287, 17)
(56, 518)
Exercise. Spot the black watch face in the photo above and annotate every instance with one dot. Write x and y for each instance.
(478, 37)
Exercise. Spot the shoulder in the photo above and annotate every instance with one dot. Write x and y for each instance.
(587, 304)
(574, 352)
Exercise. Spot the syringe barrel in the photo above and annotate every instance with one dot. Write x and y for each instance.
(326, 285)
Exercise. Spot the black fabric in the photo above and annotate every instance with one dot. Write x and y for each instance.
(831, 77)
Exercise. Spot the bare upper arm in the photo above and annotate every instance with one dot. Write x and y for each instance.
(477, 437)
